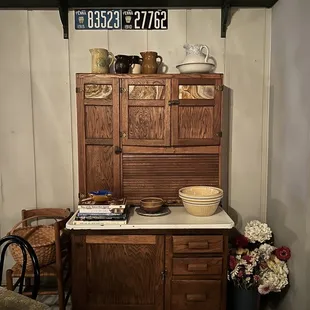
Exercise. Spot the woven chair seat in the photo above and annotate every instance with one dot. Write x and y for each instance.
(46, 271)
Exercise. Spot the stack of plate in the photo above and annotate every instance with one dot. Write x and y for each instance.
(201, 200)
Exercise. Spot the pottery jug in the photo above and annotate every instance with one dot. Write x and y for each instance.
(136, 66)
(150, 63)
(101, 60)
(196, 53)
(122, 63)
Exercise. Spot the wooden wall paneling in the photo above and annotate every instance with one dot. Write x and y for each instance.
(80, 61)
(17, 161)
(204, 27)
(51, 110)
(246, 53)
(169, 43)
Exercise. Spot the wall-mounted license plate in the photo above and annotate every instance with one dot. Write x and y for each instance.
(96, 19)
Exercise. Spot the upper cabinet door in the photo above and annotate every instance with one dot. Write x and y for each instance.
(196, 111)
(145, 118)
(98, 133)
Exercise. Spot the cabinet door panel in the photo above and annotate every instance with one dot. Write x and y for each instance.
(124, 272)
(98, 133)
(196, 114)
(145, 116)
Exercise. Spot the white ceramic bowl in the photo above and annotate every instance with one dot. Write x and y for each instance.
(201, 192)
(200, 209)
(196, 67)
(204, 202)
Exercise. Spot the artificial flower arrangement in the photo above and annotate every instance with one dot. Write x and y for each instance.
(255, 263)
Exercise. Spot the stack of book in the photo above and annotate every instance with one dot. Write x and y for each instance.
(114, 212)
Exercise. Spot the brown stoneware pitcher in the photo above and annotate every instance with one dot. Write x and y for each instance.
(150, 62)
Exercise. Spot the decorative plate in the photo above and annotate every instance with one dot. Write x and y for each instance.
(163, 211)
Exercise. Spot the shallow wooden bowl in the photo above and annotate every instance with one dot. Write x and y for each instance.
(151, 204)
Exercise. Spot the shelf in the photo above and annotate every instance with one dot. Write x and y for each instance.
(65, 5)
(53, 4)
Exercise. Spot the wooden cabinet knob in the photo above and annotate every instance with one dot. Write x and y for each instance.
(197, 267)
(198, 245)
(196, 297)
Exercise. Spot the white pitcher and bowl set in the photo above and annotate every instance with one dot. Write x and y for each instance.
(196, 60)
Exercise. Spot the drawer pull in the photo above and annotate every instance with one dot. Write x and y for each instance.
(198, 245)
(197, 267)
(196, 297)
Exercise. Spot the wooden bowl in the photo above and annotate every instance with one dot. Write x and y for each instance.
(151, 204)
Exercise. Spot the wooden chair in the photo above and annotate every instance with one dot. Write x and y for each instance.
(60, 269)
(25, 247)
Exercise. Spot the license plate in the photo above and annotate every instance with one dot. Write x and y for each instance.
(98, 19)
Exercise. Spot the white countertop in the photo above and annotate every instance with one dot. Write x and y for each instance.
(177, 219)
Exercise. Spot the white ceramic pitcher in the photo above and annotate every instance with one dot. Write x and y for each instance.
(196, 53)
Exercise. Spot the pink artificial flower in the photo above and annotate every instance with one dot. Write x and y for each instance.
(240, 274)
(264, 289)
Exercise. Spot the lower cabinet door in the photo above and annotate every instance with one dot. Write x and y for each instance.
(119, 273)
(195, 295)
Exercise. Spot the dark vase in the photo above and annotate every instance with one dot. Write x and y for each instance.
(122, 63)
(245, 299)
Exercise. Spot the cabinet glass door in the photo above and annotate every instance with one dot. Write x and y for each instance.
(196, 111)
(145, 118)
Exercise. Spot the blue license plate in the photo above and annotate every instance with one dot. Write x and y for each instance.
(135, 19)
(98, 19)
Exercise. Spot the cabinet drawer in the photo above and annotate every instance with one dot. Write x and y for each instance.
(196, 295)
(197, 244)
(197, 266)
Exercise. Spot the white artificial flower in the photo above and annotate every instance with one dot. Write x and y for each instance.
(276, 281)
(266, 250)
(256, 231)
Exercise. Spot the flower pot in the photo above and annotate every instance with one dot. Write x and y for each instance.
(245, 299)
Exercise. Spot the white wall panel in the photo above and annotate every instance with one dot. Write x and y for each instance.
(204, 27)
(169, 43)
(245, 76)
(17, 164)
(17, 170)
(51, 110)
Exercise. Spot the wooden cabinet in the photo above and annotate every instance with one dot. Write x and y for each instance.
(146, 135)
(150, 270)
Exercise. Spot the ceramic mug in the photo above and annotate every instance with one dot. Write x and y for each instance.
(135, 69)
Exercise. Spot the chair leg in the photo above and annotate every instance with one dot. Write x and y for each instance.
(9, 279)
(61, 293)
